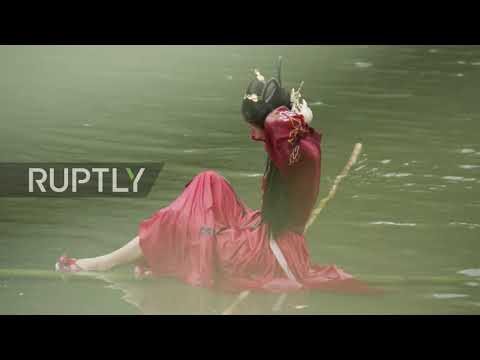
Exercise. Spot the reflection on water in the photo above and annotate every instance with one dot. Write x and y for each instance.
(406, 217)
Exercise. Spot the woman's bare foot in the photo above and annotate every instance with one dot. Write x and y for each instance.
(128, 253)
(100, 263)
(71, 265)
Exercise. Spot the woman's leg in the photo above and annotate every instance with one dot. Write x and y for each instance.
(127, 254)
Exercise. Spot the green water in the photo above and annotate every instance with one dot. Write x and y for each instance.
(410, 207)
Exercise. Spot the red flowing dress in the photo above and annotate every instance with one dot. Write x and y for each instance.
(208, 237)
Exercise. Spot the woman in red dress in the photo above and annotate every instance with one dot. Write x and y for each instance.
(208, 237)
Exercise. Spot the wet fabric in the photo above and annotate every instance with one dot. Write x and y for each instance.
(208, 237)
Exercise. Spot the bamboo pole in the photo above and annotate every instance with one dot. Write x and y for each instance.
(54, 275)
(351, 161)
(242, 296)
(333, 190)
(121, 276)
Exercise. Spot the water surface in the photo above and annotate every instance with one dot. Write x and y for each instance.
(409, 209)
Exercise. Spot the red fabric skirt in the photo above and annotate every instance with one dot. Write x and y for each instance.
(207, 237)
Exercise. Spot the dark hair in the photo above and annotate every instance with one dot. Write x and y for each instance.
(276, 211)
(270, 95)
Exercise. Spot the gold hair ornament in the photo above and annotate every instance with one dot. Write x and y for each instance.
(259, 76)
(295, 97)
(251, 97)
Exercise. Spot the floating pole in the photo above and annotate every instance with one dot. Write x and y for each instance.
(6, 274)
(351, 161)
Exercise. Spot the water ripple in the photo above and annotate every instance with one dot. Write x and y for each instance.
(469, 225)
(457, 178)
(397, 174)
(470, 272)
(360, 167)
(391, 223)
(363, 64)
(316, 103)
(251, 175)
(449, 296)
(466, 151)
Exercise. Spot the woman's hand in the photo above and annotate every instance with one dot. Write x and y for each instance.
(304, 110)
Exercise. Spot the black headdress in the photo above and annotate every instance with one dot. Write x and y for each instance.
(262, 97)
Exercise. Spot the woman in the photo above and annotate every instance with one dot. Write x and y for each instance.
(208, 237)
